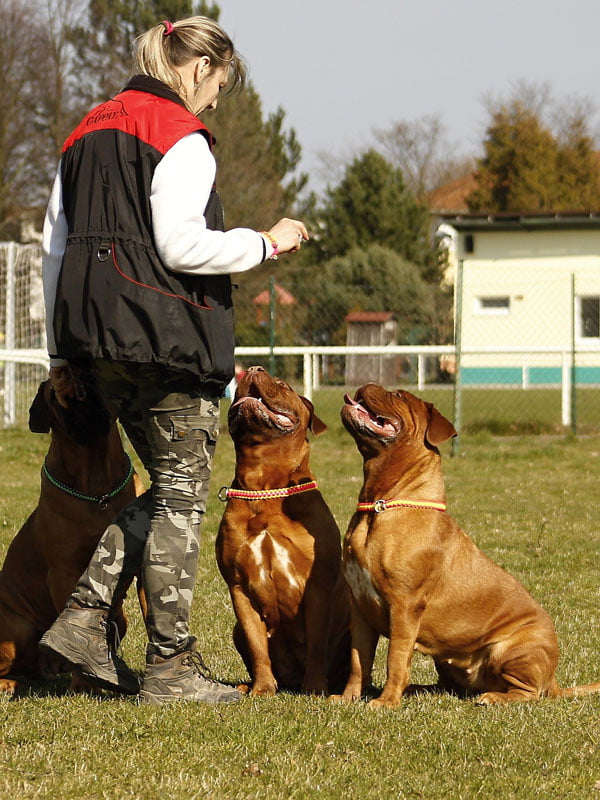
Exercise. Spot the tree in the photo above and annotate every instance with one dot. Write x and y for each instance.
(56, 104)
(528, 167)
(254, 156)
(375, 278)
(17, 56)
(421, 150)
(103, 42)
(373, 205)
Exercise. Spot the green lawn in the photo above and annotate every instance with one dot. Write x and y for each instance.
(530, 502)
(508, 411)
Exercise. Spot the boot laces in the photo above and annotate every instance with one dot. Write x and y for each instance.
(113, 637)
(195, 660)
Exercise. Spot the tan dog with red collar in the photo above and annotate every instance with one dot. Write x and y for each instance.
(279, 548)
(419, 580)
(86, 479)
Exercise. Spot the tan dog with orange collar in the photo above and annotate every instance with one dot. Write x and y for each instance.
(279, 548)
(418, 579)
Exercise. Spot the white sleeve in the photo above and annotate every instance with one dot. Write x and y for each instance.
(54, 241)
(181, 186)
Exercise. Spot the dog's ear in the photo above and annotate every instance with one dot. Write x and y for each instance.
(315, 425)
(439, 429)
(39, 413)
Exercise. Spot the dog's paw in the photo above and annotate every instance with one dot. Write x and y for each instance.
(382, 702)
(263, 690)
(492, 698)
(7, 687)
(346, 697)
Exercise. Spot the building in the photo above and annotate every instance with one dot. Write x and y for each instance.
(375, 329)
(527, 284)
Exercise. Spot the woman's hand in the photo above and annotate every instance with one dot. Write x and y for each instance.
(289, 235)
(65, 385)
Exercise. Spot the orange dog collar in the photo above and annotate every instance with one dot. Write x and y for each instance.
(382, 505)
(226, 492)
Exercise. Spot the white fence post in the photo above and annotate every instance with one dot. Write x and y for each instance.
(316, 379)
(421, 372)
(10, 335)
(525, 375)
(308, 376)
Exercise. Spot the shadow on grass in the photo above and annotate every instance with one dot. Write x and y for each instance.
(28, 688)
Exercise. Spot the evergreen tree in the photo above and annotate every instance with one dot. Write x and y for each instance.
(526, 167)
(372, 205)
(375, 278)
(579, 167)
(254, 156)
(103, 42)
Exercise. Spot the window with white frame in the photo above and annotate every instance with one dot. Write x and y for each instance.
(493, 305)
(588, 317)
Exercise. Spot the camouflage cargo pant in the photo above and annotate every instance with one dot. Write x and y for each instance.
(173, 427)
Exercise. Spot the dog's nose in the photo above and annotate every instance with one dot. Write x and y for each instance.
(256, 369)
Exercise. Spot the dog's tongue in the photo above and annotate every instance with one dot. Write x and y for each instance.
(282, 420)
(349, 401)
(247, 397)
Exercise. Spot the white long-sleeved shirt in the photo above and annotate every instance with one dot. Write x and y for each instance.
(180, 189)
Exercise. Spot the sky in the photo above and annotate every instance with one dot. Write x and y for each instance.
(342, 69)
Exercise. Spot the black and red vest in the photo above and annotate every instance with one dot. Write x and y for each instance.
(115, 298)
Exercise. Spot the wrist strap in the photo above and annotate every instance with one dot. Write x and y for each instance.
(273, 243)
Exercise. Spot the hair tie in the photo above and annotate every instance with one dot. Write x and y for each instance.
(168, 27)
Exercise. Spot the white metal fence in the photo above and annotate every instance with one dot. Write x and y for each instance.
(539, 390)
(23, 359)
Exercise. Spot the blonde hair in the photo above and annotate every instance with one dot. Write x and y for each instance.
(169, 45)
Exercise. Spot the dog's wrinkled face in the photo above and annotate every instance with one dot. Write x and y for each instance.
(270, 407)
(378, 417)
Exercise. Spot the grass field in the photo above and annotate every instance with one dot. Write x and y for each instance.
(530, 502)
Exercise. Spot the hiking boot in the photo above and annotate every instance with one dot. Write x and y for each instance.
(183, 677)
(82, 640)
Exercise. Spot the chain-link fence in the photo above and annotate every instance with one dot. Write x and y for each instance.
(523, 354)
(524, 357)
(527, 323)
(23, 361)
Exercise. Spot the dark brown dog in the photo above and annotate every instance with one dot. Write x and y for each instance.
(281, 556)
(55, 544)
(419, 580)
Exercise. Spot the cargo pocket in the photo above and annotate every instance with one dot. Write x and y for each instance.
(192, 445)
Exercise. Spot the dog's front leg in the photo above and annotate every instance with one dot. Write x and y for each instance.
(256, 642)
(362, 655)
(404, 625)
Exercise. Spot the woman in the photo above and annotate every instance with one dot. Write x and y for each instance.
(136, 283)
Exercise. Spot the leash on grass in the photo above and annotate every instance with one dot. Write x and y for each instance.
(101, 499)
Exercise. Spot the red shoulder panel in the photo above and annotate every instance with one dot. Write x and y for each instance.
(154, 120)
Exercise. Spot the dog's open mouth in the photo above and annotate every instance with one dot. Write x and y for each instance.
(362, 417)
(256, 406)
